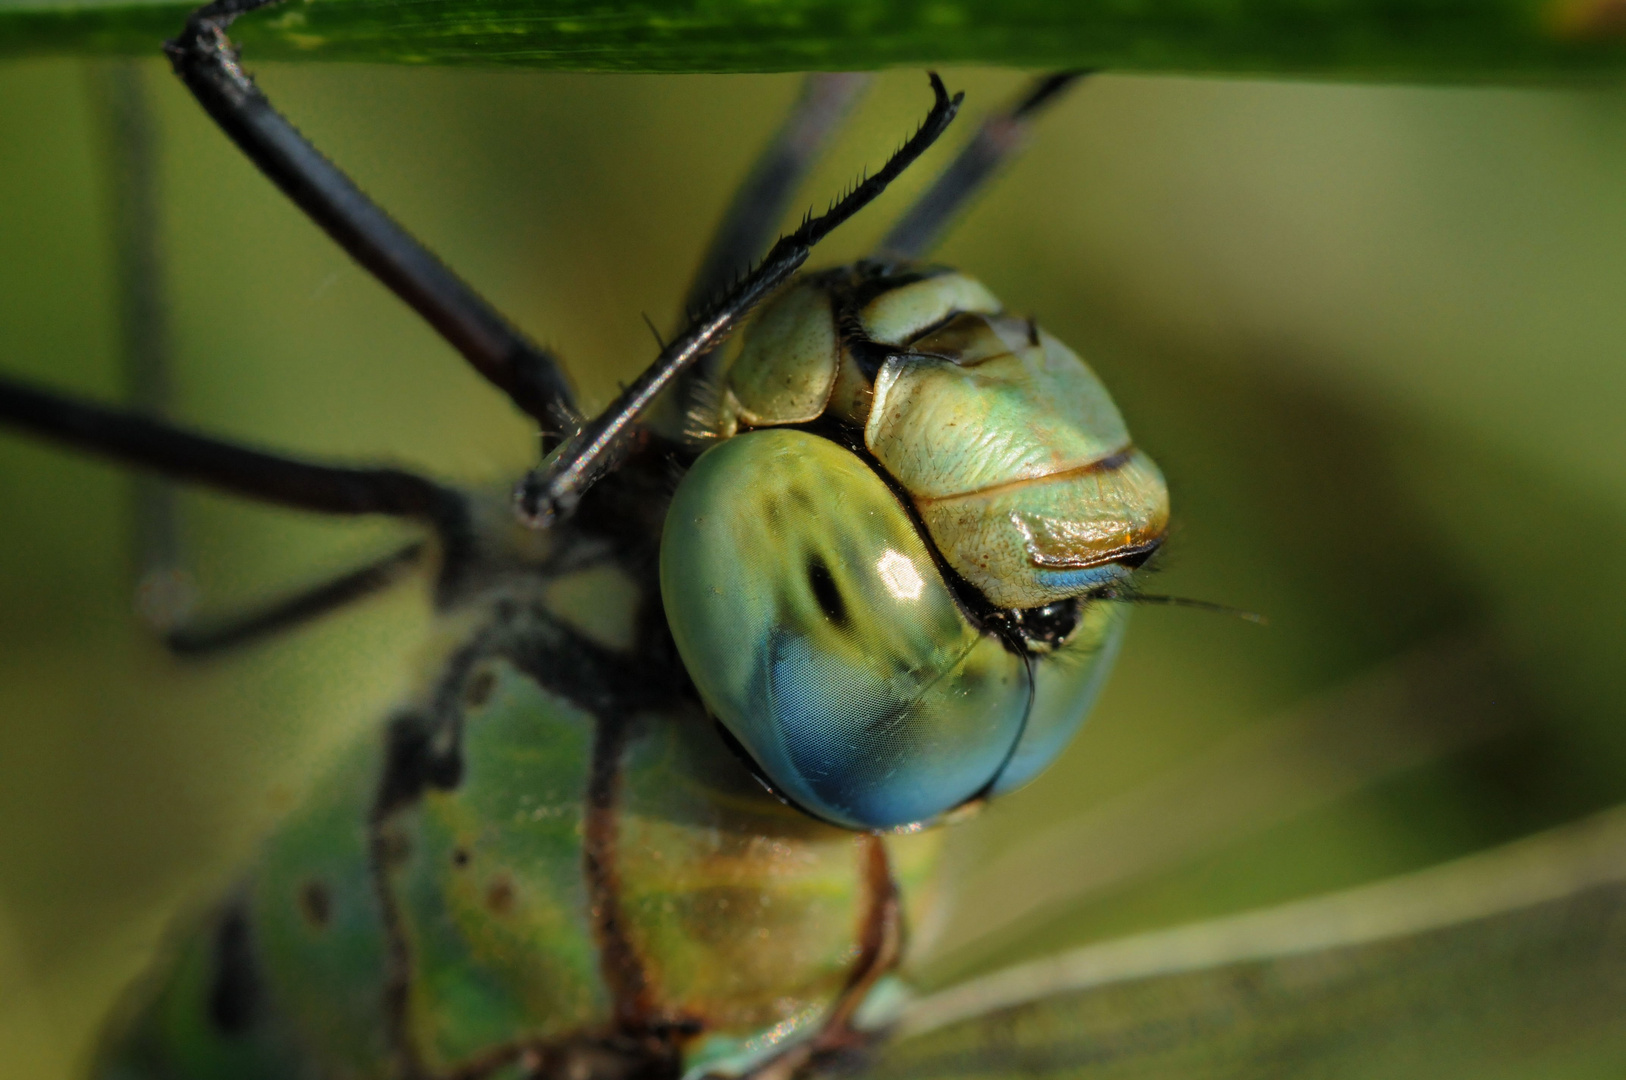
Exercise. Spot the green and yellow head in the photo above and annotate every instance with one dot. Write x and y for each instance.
(887, 577)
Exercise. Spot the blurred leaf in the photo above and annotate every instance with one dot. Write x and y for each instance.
(1517, 40)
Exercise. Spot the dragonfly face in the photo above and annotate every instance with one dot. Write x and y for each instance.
(884, 591)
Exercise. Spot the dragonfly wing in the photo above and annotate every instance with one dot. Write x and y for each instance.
(1510, 963)
(1447, 696)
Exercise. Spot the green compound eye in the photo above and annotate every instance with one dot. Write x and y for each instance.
(817, 627)
(1066, 682)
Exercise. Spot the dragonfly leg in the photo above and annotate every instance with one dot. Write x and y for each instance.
(1001, 137)
(749, 224)
(182, 455)
(164, 588)
(206, 61)
(760, 202)
(552, 490)
(330, 489)
(166, 591)
(199, 638)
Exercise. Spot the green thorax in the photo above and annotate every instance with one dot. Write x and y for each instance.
(549, 859)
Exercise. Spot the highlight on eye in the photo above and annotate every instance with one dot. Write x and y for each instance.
(882, 574)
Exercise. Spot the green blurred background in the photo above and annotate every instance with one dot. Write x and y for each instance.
(1373, 335)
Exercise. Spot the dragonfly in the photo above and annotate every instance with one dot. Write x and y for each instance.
(1505, 901)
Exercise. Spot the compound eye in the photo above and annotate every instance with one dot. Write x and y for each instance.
(1067, 678)
(820, 632)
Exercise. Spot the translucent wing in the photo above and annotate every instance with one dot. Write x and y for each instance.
(1414, 710)
(1510, 963)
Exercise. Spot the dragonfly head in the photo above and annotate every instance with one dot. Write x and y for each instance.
(881, 577)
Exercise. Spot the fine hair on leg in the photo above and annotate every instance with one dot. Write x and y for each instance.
(752, 219)
(758, 205)
(552, 490)
(1001, 137)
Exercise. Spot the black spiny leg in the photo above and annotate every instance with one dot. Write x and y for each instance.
(206, 61)
(752, 219)
(759, 204)
(331, 489)
(271, 478)
(999, 139)
(554, 488)
(165, 590)
(204, 638)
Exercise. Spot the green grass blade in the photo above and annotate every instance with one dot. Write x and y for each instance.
(1509, 963)
(1513, 40)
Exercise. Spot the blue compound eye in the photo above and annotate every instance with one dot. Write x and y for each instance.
(819, 630)
(1067, 678)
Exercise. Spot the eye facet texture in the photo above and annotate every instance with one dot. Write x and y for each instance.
(1066, 682)
(819, 630)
